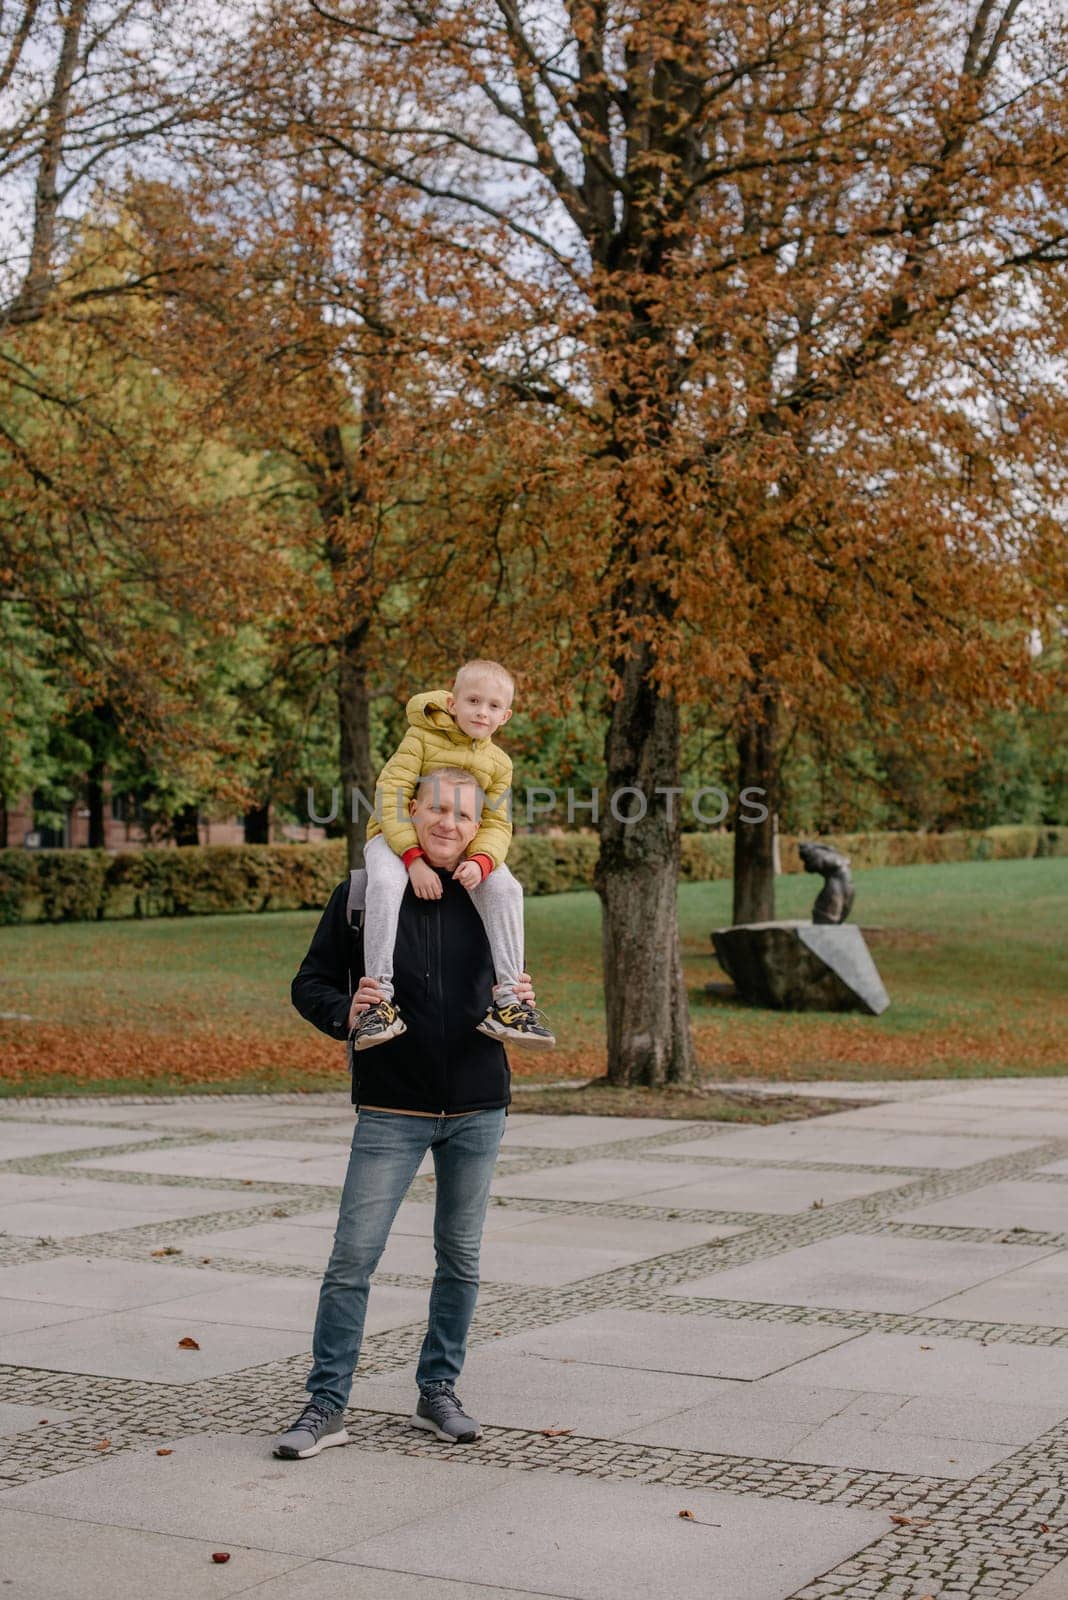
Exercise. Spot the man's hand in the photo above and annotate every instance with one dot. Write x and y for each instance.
(367, 994)
(469, 873)
(425, 880)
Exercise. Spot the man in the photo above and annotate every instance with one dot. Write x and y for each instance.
(441, 1086)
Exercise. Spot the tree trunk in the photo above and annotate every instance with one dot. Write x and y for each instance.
(3, 822)
(37, 281)
(184, 826)
(754, 842)
(649, 1038)
(354, 716)
(95, 802)
(257, 824)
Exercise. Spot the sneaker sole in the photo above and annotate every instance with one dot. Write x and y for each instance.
(392, 1032)
(430, 1426)
(522, 1039)
(286, 1452)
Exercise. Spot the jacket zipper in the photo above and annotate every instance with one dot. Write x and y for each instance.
(440, 990)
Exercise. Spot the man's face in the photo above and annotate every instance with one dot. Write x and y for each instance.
(445, 817)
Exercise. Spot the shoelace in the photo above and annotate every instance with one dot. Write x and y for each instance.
(444, 1393)
(312, 1411)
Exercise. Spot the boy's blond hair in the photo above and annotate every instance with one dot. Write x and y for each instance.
(486, 669)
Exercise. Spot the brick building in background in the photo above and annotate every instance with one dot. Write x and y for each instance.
(124, 828)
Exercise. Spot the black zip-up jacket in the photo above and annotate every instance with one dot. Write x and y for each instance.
(442, 977)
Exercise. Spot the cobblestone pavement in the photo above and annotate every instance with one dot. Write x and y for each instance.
(810, 1361)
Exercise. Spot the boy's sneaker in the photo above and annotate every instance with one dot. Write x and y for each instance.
(440, 1413)
(518, 1021)
(378, 1023)
(315, 1429)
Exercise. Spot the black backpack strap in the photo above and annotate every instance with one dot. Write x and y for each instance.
(357, 900)
(355, 905)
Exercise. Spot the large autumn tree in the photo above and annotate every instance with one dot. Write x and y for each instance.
(788, 281)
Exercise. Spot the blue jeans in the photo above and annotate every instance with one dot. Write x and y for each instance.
(385, 1155)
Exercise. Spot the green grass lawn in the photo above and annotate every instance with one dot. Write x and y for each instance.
(973, 956)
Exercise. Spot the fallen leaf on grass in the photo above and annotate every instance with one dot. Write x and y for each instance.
(553, 1433)
(188, 1344)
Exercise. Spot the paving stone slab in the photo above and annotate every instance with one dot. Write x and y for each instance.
(977, 1418)
(943, 1369)
(537, 1392)
(570, 1133)
(859, 1272)
(333, 1580)
(16, 1316)
(1033, 1294)
(282, 1243)
(638, 1236)
(1010, 1093)
(94, 1207)
(107, 1284)
(1012, 1204)
(50, 1558)
(607, 1179)
(263, 1160)
(1038, 1123)
(599, 1541)
(416, 1216)
(770, 1189)
(133, 1344)
(831, 1427)
(289, 1303)
(204, 1114)
(21, 1140)
(229, 1490)
(810, 1141)
(712, 1347)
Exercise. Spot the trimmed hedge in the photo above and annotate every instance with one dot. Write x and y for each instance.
(91, 885)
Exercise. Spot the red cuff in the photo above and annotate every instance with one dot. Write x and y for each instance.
(485, 862)
(412, 855)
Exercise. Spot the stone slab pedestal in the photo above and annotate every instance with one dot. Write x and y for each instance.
(802, 966)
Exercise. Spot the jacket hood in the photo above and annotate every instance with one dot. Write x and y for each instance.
(429, 711)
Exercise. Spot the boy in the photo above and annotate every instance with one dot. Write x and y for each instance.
(449, 730)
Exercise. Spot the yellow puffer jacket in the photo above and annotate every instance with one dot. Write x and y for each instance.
(434, 740)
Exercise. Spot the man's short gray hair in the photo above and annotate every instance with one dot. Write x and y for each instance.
(451, 775)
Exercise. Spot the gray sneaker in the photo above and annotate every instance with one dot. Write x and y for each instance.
(314, 1430)
(440, 1413)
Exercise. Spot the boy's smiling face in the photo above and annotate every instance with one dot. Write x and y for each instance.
(480, 704)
